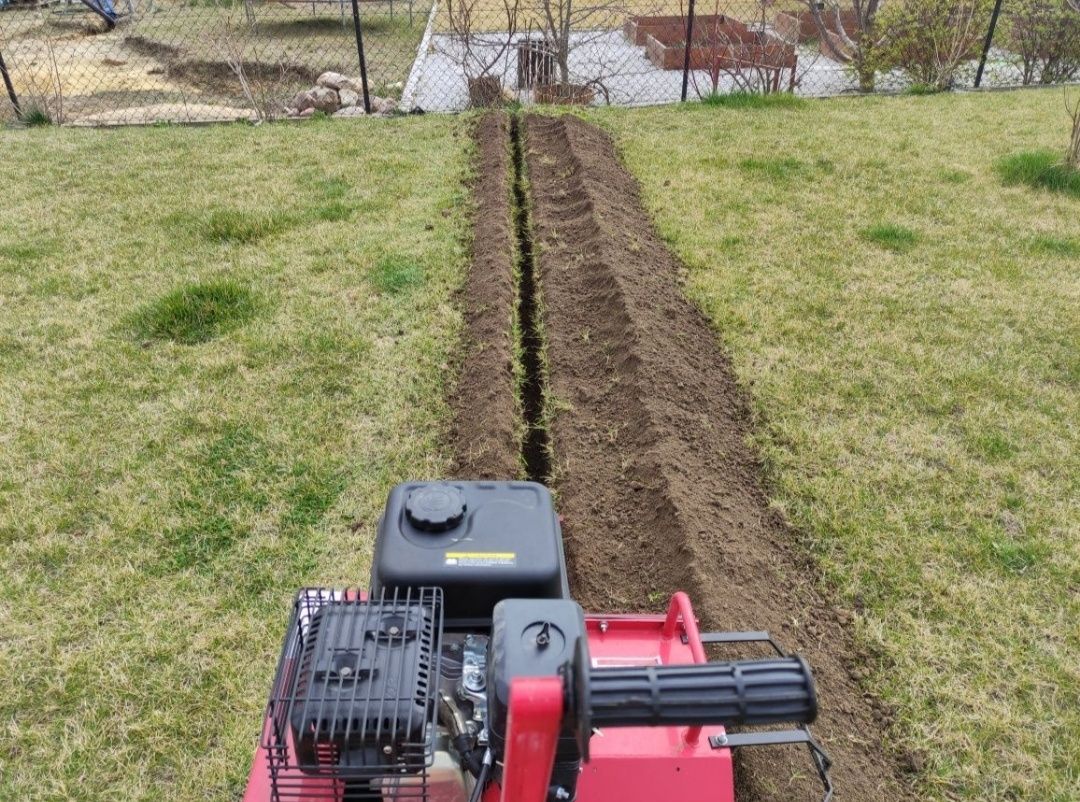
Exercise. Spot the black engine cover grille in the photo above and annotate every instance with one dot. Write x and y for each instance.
(354, 696)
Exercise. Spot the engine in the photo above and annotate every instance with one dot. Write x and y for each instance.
(406, 691)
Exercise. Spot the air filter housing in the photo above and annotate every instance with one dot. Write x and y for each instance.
(353, 700)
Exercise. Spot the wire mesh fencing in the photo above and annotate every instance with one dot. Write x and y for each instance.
(129, 61)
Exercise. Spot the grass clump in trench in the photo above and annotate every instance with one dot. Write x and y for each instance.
(196, 313)
(1040, 169)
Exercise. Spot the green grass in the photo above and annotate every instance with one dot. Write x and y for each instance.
(234, 225)
(395, 274)
(753, 100)
(35, 117)
(890, 237)
(200, 411)
(1056, 246)
(917, 413)
(196, 313)
(1040, 169)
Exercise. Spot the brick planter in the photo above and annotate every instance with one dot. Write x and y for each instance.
(564, 95)
(720, 44)
(667, 28)
(799, 26)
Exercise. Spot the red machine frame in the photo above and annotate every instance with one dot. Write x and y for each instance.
(626, 764)
(633, 764)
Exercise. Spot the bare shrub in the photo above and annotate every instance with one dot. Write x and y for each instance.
(481, 51)
(1045, 35)
(930, 40)
(264, 81)
(755, 60)
(1072, 156)
(41, 89)
(849, 29)
(558, 19)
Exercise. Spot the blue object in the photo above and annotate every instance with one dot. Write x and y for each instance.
(107, 8)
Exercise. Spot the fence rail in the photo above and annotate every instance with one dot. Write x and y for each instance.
(100, 62)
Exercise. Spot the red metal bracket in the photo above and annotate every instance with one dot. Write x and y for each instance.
(680, 607)
(532, 735)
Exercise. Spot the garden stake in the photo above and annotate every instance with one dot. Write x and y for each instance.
(986, 45)
(10, 86)
(689, 38)
(360, 53)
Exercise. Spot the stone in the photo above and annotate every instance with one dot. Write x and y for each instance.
(303, 100)
(308, 112)
(332, 80)
(349, 97)
(382, 105)
(353, 84)
(350, 111)
(326, 100)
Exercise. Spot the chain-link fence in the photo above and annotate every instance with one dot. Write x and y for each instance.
(124, 61)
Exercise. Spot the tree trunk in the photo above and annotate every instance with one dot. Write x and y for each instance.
(1072, 158)
(866, 74)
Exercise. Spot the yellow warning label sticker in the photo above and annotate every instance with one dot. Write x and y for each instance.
(481, 559)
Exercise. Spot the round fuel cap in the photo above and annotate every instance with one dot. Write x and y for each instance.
(435, 508)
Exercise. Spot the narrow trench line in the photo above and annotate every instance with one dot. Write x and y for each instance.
(535, 445)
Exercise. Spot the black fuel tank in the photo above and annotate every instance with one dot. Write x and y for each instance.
(481, 542)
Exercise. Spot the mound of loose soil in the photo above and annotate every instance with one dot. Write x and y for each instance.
(655, 481)
(486, 417)
(217, 76)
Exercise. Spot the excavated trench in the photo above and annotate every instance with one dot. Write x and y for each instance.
(630, 410)
(535, 447)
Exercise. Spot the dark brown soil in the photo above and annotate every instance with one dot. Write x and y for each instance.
(655, 480)
(486, 418)
(217, 76)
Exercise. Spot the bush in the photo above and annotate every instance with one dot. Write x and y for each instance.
(930, 39)
(1045, 35)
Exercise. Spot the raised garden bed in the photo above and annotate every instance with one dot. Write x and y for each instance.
(664, 28)
(719, 44)
(800, 27)
(564, 94)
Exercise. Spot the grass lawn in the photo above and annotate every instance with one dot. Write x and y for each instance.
(219, 348)
(909, 328)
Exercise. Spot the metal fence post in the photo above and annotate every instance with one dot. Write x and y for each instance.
(10, 87)
(360, 53)
(686, 56)
(986, 45)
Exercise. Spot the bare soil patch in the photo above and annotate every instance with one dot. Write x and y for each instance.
(486, 419)
(216, 76)
(656, 483)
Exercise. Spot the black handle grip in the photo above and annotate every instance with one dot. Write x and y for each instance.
(728, 693)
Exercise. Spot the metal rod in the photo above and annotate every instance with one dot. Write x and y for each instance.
(986, 45)
(686, 56)
(10, 87)
(360, 53)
